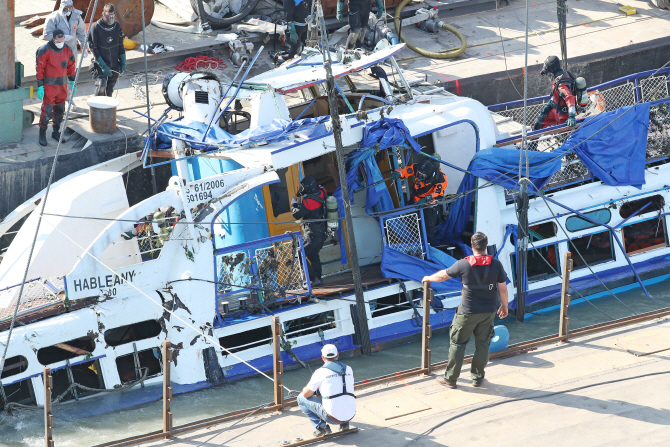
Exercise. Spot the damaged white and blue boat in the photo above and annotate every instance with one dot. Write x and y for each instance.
(207, 261)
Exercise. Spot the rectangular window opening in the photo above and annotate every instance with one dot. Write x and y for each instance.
(645, 236)
(309, 324)
(148, 358)
(20, 393)
(595, 248)
(132, 332)
(394, 303)
(542, 263)
(279, 194)
(247, 339)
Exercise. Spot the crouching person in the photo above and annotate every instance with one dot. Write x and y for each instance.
(334, 381)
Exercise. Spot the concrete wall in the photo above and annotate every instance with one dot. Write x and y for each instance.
(497, 88)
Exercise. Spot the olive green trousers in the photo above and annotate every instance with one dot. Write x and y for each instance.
(462, 328)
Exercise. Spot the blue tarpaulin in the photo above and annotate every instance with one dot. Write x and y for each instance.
(387, 132)
(278, 130)
(396, 264)
(612, 147)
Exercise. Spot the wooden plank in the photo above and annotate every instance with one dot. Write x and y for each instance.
(167, 390)
(71, 348)
(321, 438)
(565, 298)
(426, 328)
(278, 365)
(48, 417)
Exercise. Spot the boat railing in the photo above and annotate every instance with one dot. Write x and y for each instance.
(405, 232)
(573, 172)
(37, 294)
(646, 86)
(273, 269)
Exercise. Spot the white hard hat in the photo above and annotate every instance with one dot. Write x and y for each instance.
(329, 351)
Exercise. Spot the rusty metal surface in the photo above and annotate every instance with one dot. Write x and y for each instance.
(128, 13)
(102, 120)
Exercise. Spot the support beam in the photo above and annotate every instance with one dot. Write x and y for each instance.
(426, 328)
(277, 364)
(167, 390)
(565, 298)
(48, 416)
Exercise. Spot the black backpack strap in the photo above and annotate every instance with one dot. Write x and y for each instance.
(340, 369)
(482, 284)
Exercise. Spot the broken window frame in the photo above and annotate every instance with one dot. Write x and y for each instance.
(137, 365)
(537, 248)
(74, 393)
(662, 230)
(577, 259)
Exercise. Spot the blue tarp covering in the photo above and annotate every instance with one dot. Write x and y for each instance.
(277, 130)
(616, 148)
(387, 132)
(396, 264)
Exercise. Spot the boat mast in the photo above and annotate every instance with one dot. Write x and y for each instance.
(362, 326)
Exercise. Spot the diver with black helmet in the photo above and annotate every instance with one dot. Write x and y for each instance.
(561, 108)
(312, 206)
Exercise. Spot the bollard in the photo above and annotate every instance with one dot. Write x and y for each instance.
(167, 390)
(48, 416)
(426, 328)
(565, 298)
(278, 365)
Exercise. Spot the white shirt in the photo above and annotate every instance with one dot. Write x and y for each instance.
(329, 383)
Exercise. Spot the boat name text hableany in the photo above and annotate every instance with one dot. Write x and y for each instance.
(105, 281)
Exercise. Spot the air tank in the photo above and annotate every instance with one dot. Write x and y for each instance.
(582, 97)
(331, 213)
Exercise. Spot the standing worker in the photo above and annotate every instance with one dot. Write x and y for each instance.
(479, 274)
(105, 41)
(312, 206)
(561, 108)
(55, 66)
(337, 404)
(296, 11)
(358, 16)
(68, 19)
(429, 184)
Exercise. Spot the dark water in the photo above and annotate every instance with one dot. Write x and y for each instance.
(74, 428)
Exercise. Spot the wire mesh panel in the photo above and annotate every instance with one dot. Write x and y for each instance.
(403, 233)
(654, 87)
(234, 271)
(36, 294)
(614, 97)
(516, 113)
(658, 138)
(279, 266)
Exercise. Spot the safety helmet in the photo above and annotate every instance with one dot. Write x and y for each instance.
(551, 65)
(426, 171)
(308, 185)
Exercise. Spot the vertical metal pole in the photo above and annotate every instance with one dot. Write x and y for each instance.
(138, 367)
(146, 86)
(426, 328)
(362, 329)
(277, 364)
(167, 390)
(48, 416)
(565, 298)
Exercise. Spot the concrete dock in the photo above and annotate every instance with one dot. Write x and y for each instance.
(628, 412)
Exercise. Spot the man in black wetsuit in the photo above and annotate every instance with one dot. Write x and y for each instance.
(312, 206)
(296, 11)
(358, 16)
(105, 40)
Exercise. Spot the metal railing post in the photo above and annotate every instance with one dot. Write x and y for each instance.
(565, 298)
(167, 390)
(426, 328)
(48, 416)
(278, 365)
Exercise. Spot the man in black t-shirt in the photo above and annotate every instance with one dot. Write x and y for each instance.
(480, 274)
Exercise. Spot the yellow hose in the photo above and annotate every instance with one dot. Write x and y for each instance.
(431, 54)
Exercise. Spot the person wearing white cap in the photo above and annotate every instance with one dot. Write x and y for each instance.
(334, 381)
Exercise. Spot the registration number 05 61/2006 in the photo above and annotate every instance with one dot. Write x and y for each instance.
(199, 192)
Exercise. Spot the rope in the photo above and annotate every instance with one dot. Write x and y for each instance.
(200, 63)
(210, 338)
(44, 202)
(57, 400)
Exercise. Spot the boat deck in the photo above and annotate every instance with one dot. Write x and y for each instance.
(621, 412)
(343, 283)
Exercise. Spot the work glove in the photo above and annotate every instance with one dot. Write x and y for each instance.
(40, 92)
(571, 120)
(395, 175)
(537, 125)
(122, 65)
(380, 9)
(421, 203)
(338, 14)
(292, 33)
(73, 88)
(103, 66)
(67, 37)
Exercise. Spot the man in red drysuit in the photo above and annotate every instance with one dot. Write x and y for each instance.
(562, 106)
(55, 66)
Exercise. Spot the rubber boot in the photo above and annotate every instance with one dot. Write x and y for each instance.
(43, 136)
(55, 134)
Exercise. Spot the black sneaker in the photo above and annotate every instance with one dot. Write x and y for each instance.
(317, 282)
(344, 426)
(322, 431)
(444, 382)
